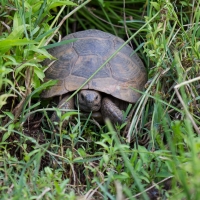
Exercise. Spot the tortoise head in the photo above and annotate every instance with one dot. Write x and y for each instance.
(88, 100)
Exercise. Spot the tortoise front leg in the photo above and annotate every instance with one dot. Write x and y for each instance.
(63, 104)
(110, 110)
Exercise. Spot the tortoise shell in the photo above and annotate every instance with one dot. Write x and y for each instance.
(78, 60)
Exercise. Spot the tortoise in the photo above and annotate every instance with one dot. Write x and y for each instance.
(110, 91)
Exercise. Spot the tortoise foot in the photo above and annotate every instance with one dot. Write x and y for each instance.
(111, 111)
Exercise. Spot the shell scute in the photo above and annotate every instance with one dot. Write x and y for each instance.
(92, 46)
(87, 65)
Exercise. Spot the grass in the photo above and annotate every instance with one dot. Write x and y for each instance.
(158, 156)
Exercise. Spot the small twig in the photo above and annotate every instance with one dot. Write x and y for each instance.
(10, 189)
(9, 8)
(8, 27)
(151, 187)
(17, 110)
(96, 123)
(125, 26)
(119, 191)
(88, 195)
(22, 94)
(74, 174)
(43, 193)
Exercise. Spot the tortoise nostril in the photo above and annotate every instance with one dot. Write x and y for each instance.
(82, 96)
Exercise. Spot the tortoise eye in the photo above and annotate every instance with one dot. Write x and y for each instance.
(96, 97)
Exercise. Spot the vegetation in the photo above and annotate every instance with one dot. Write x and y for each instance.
(157, 157)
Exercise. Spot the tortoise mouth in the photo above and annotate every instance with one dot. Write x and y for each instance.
(89, 107)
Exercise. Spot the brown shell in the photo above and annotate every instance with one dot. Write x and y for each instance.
(78, 60)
